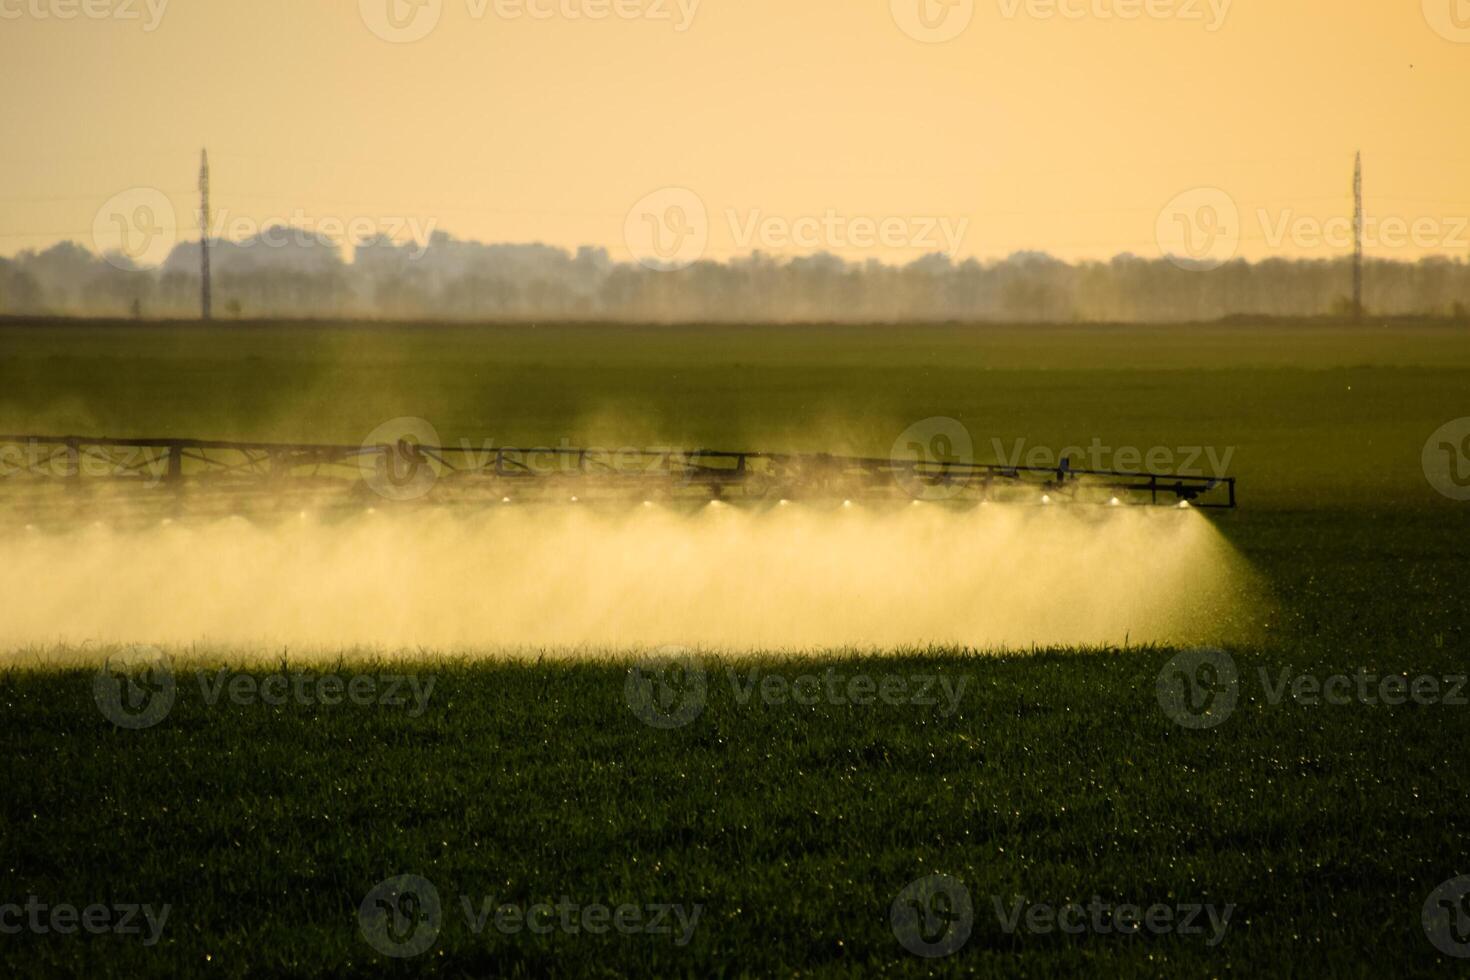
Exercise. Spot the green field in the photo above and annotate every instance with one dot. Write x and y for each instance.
(1319, 416)
(1058, 777)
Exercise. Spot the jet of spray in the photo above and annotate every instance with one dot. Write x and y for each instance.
(790, 577)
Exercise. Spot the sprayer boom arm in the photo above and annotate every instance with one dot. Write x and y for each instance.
(467, 471)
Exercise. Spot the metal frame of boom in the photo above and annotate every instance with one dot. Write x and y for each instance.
(180, 463)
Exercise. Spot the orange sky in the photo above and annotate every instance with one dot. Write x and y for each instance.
(872, 128)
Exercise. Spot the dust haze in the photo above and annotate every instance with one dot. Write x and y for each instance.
(586, 579)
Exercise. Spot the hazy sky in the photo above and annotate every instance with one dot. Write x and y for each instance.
(851, 125)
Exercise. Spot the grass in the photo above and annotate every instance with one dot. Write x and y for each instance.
(1059, 776)
(794, 827)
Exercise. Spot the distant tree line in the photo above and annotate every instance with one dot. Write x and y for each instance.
(452, 279)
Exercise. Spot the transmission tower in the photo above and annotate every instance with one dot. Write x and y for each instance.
(1358, 237)
(205, 300)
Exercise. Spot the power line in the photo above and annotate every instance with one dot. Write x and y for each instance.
(1358, 236)
(205, 300)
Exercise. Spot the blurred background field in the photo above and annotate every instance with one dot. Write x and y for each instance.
(1317, 415)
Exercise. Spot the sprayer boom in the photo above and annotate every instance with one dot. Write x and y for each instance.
(405, 470)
